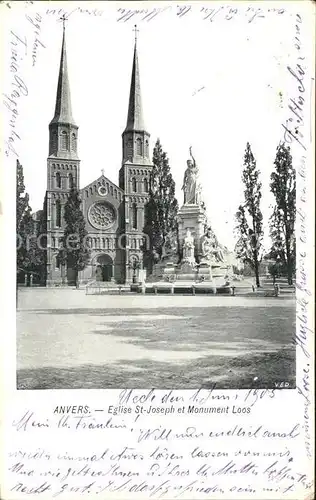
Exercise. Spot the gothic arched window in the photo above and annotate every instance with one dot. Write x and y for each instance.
(64, 141)
(147, 148)
(58, 213)
(58, 180)
(74, 142)
(139, 147)
(134, 185)
(57, 262)
(134, 216)
(146, 185)
(71, 181)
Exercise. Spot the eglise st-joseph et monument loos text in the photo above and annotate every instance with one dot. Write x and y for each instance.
(114, 214)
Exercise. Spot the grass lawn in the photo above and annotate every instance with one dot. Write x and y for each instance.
(73, 341)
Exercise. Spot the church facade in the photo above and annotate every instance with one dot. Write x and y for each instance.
(114, 213)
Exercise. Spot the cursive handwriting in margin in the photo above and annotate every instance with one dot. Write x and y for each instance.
(157, 461)
(294, 134)
(293, 128)
(21, 48)
(18, 90)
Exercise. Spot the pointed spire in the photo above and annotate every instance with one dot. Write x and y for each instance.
(63, 113)
(135, 121)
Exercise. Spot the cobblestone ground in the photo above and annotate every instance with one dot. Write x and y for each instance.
(67, 340)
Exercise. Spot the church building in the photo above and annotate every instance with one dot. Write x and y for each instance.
(114, 213)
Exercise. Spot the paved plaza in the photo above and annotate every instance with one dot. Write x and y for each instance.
(68, 340)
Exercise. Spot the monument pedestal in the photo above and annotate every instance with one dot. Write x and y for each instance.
(191, 217)
(205, 271)
(157, 272)
(187, 267)
(169, 270)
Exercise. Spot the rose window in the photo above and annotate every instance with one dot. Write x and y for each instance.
(101, 215)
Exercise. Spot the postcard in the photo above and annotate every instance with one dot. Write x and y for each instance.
(157, 235)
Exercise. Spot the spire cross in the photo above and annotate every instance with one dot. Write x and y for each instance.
(63, 18)
(102, 171)
(135, 31)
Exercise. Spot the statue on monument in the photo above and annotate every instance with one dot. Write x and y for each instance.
(207, 244)
(188, 248)
(211, 250)
(191, 186)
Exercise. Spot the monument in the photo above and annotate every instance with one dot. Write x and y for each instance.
(193, 259)
(192, 213)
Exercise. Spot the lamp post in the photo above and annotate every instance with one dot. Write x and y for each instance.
(134, 265)
(278, 264)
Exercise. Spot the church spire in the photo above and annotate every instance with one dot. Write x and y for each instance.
(135, 121)
(63, 132)
(135, 136)
(63, 112)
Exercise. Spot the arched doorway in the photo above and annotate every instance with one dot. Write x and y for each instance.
(104, 268)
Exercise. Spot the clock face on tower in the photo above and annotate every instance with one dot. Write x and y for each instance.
(101, 215)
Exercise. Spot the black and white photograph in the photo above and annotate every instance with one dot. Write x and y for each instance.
(156, 197)
(157, 238)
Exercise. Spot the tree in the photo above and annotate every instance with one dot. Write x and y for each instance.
(282, 220)
(74, 251)
(23, 209)
(249, 217)
(30, 258)
(162, 207)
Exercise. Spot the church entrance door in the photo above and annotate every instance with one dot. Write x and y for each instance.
(71, 276)
(104, 269)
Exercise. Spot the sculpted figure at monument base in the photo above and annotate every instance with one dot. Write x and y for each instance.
(218, 255)
(210, 249)
(188, 249)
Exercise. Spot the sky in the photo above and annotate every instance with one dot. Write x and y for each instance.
(212, 85)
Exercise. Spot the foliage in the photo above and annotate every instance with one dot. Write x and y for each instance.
(30, 255)
(74, 251)
(277, 269)
(282, 220)
(249, 216)
(237, 270)
(23, 209)
(162, 207)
